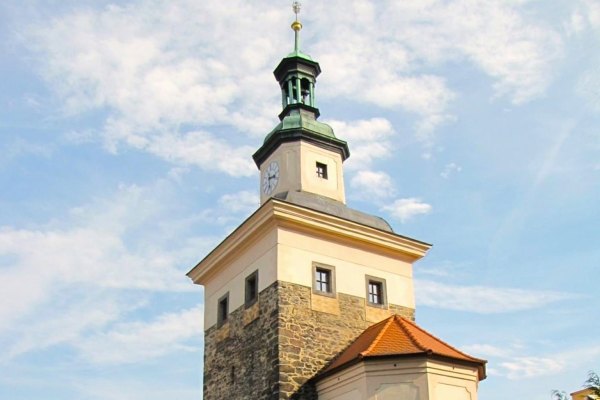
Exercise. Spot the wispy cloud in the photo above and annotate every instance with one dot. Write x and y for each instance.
(483, 299)
(244, 202)
(131, 342)
(99, 254)
(406, 209)
(133, 388)
(157, 74)
(371, 140)
(372, 184)
(450, 169)
(529, 367)
(167, 74)
(514, 49)
(519, 362)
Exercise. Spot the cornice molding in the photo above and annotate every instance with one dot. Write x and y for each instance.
(278, 213)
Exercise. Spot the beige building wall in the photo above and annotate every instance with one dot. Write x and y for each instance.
(261, 256)
(284, 242)
(406, 379)
(297, 252)
(287, 255)
(297, 171)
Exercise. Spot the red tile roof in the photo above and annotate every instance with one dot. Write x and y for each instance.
(397, 336)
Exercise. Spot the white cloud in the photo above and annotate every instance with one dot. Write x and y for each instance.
(483, 299)
(99, 254)
(203, 150)
(530, 367)
(158, 68)
(518, 362)
(163, 71)
(62, 321)
(372, 184)
(486, 350)
(244, 202)
(406, 209)
(576, 23)
(588, 88)
(378, 49)
(591, 9)
(127, 387)
(19, 148)
(450, 169)
(132, 342)
(369, 140)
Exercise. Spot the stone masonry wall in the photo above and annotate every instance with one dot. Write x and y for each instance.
(309, 339)
(240, 357)
(271, 350)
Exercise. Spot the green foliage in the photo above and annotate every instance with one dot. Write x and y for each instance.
(558, 395)
(593, 382)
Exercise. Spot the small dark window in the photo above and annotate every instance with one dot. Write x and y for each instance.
(251, 288)
(323, 280)
(223, 310)
(376, 291)
(321, 170)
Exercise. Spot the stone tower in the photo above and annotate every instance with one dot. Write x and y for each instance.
(303, 277)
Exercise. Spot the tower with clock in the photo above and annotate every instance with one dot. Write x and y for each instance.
(301, 154)
(309, 298)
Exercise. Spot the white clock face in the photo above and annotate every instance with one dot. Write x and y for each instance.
(270, 178)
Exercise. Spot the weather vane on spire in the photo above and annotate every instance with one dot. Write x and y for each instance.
(296, 6)
(296, 25)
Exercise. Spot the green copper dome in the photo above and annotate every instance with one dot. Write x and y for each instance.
(297, 74)
(304, 122)
(298, 53)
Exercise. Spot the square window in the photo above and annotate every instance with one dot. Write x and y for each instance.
(376, 291)
(324, 280)
(251, 294)
(321, 170)
(223, 309)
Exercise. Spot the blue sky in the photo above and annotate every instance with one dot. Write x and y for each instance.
(127, 130)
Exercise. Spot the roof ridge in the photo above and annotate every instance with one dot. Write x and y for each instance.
(386, 322)
(412, 337)
(436, 338)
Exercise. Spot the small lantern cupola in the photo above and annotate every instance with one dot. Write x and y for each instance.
(297, 75)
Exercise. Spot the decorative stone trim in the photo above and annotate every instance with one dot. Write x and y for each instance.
(251, 313)
(324, 304)
(376, 314)
(223, 332)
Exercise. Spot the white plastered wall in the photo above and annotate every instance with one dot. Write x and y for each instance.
(407, 379)
(333, 186)
(297, 171)
(298, 251)
(288, 255)
(261, 256)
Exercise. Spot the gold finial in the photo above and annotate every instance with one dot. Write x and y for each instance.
(296, 25)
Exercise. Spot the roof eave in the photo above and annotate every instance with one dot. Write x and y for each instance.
(282, 213)
(479, 364)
